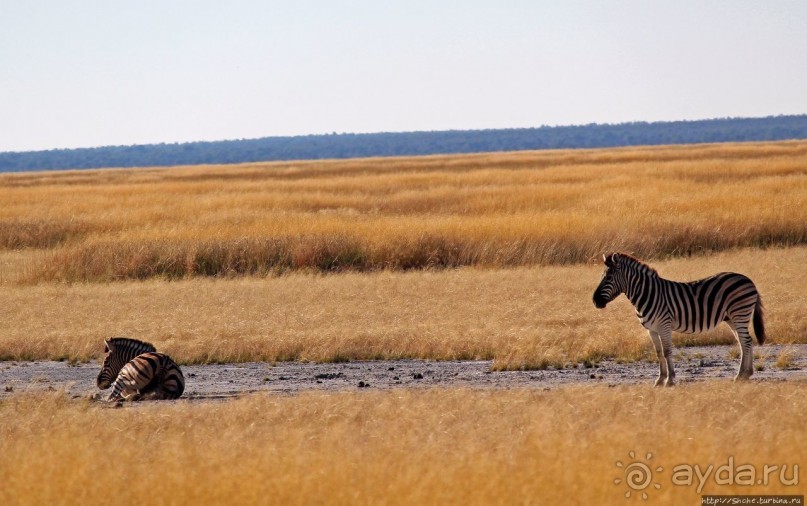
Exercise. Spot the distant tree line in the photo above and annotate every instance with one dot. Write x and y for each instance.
(412, 143)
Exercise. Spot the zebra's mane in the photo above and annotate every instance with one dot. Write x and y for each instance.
(637, 264)
(124, 342)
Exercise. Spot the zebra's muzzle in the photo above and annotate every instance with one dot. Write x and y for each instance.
(599, 302)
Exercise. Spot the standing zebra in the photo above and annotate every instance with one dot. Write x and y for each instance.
(135, 371)
(664, 306)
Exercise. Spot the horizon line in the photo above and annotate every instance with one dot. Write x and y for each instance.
(402, 132)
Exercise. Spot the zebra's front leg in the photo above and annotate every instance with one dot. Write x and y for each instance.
(662, 362)
(665, 335)
(122, 389)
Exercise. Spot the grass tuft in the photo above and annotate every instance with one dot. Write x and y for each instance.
(786, 359)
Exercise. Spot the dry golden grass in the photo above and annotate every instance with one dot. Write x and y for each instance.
(523, 210)
(785, 359)
(523, 317)
(402, 447)
(497, 210)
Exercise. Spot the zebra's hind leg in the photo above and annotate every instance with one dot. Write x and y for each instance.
(665, 335)
(743, 337)
(662, 361)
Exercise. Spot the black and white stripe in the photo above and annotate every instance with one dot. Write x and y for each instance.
(149, 376)
(135, 371)
(665, 306)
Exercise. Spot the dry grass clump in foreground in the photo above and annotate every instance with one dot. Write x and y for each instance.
(520, 318)
(402, 447)
(495, 210)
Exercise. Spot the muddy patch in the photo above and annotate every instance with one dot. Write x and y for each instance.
(230, 380)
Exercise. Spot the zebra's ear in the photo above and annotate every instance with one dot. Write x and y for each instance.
(608, 260)
(107, 347)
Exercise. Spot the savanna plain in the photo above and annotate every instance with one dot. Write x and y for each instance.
(490, 256)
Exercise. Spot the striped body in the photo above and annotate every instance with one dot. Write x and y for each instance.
(696, 306)
(135, 371)
(664, 306)
(149, 376)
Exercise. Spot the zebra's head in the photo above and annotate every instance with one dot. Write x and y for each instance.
(107, 375)
(612, 283)
(117, 352)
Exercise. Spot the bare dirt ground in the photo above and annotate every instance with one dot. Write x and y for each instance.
(230, 380)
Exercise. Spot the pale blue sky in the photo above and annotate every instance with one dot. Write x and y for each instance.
(90, 73)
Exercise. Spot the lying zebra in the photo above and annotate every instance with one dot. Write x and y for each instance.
(664, 306)
(136, 372)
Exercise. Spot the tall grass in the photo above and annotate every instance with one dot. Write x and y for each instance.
(403, 447)
(24, 233)
(520, 318)
(495, 210)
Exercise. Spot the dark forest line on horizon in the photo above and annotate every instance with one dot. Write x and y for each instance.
(346, 145)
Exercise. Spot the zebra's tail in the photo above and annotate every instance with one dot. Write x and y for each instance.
(759, 321)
